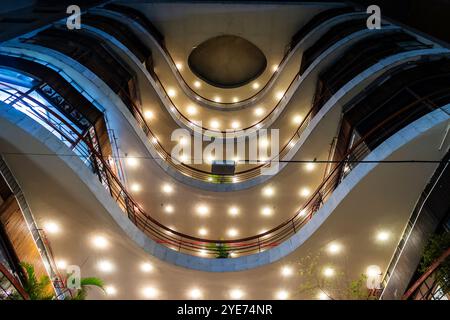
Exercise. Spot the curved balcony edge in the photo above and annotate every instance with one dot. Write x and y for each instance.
(97, 91)
(414, 130)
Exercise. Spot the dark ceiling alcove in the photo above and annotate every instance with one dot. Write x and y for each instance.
(227, 61)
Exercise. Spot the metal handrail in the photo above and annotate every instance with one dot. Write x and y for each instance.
(186, 243)
(431, 269)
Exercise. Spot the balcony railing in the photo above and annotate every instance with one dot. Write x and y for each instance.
(194, 245)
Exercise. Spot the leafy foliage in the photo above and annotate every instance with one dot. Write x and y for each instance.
(221, 251)
(337, 287)
(37, 289)
(86, 284)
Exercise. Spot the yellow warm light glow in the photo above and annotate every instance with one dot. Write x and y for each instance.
(287, 271)
(383, 236)
(100, 242)
(110, 290)
(150, 292)
(233, 211)
(232, 232)
(334, 248)
(146, 267)
(259, 111)
(132, 162)
(179, 66)
(167, 188)
(282, 295)
(171, 93)
(51, 227)
(279, 95)
(61, 264)
(149, 114)
(202, 210)
(328, 272)
(191, 110)
(268, 191)
(322, 296)
(255, 85)
(310, 166)
(168, 208)
(135, 187)
(197, 84)
(203, 231)
(195, 293)
(305, 192)
(297, 119)
(214, 124)
(236, 294)
(266, 211)
(105, 266)
(275, 67)
(217, 99)
(235, 99)
(235, 124)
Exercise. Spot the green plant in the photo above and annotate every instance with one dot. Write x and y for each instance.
(85, 285)
(435, 247)
(220, 250)
(37, 289)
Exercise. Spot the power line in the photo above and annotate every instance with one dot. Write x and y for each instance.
(239, 161)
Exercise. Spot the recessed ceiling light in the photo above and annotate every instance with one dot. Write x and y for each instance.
(233, 211)
(310, 166)
(305, 192)
(274, 67)
(268, 191)
(168, 208)
(135, 187)
(328, 272)
(191, 110)
(132, 162)
(210, 179)
(266, 211)
(282, 295)
(214, 124)
(61, 264)
(217, 99)
(232, 232)
(100, 242)
(203, 231)
(197, 84)
(383, 236)
(236, 294)
(183, 158)
(51, 227)
(148, 114)
(279, 95)
(110, 290)
(302, 212)
(195, 293)
(322, 296)
(334, 248)
(373, 271)
(146, 267)
(105, 266)
(179, 66)
(255, 85)
(171, 93)
(155, 140)
(259, 111)
(297, 119)
(287, 271)
(202, 210)
(235, 99)
(167, 188)
(150, 292)
(235, 124)
(235, 179)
